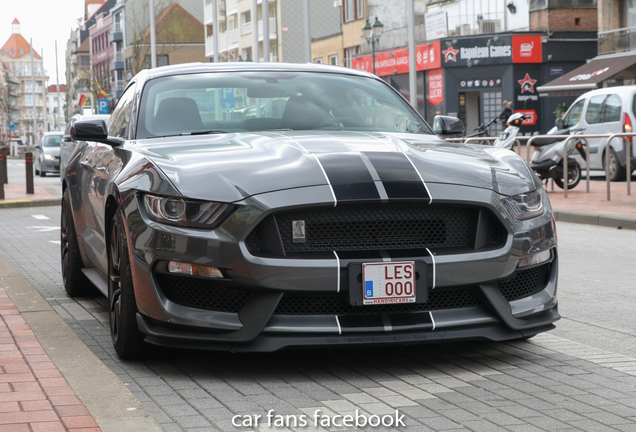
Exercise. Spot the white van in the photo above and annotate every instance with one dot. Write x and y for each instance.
(603, 111)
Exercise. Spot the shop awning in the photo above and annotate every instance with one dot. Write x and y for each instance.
(587, 77)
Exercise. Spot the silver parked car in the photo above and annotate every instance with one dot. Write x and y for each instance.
(255, 206)
(46, 157)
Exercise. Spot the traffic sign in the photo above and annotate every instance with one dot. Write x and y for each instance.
(12, 125)
(102, 106)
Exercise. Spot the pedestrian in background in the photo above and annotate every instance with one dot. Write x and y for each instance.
(505, 112)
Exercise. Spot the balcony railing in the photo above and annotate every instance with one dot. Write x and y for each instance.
(246, 28)
(227, 41)
(272, 58)
(272, 29)
(118, 56)
(117, 85)
(616, 41)
(117, 27)
(208, 9)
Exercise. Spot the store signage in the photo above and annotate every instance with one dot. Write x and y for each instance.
(480, 83)
(436, 25)
(527, 49)
(436, 86)
(477, 51)
(532, 117)
(556, 71)
(527, 84)
(587, 76)
(428, 57)
(396, 61)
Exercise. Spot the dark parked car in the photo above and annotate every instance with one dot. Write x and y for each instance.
(46, 157)
(252, 207)
(68, 145)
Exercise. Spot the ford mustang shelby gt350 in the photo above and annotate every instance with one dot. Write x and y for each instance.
(252, 207)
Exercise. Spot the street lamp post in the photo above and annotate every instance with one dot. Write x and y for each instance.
(372, 34)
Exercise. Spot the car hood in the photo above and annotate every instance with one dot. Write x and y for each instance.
(231, 167)
(54, 151)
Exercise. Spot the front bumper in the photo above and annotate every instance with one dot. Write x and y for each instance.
(266, 303)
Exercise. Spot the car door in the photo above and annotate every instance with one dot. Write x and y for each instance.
(96, 166)
(593, 124)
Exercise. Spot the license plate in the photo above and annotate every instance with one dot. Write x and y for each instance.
(385, 283)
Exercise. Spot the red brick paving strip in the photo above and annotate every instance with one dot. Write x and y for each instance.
(34, 396)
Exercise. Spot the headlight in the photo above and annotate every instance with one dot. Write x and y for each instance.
(187, 213)
(527, 205)
(49, 157)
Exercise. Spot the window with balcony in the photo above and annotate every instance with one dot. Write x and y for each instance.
(246, 23)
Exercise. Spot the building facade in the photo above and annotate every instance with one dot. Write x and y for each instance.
(26, 66)
(55, 106)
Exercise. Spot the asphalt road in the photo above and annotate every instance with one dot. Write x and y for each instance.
(581, 376)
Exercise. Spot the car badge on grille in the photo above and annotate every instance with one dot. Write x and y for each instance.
(298, 231)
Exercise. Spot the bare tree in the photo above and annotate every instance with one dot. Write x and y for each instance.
(8, 98)
(140, 48)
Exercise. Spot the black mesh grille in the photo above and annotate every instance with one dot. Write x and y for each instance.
(338, 303)
(525, 283)
(407, 226)
(201, 293)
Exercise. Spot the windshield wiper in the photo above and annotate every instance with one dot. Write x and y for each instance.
(209, 132)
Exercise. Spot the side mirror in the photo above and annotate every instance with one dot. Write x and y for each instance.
(447, 125)
(67, 138)
(559, 123)
(93, 130)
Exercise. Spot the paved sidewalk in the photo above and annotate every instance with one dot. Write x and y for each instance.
(15, 196)
(34, 396)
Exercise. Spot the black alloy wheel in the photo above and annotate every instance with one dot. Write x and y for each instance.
(122, 307)
(75, 282)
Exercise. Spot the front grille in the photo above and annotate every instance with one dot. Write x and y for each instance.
(525, 283)
(201, 293)
(338, 303)
(387, 227)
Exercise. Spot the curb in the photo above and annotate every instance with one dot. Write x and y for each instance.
(113, 407)
(30, 203)
(600, 219)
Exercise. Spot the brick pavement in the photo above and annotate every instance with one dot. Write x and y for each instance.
(34, 396)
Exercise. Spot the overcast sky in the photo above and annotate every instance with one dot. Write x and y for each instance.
(44, 21)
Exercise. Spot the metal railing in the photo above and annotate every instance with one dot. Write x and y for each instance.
(529, 140)
(618, 40)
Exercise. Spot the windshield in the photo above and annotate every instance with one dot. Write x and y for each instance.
(260, 101)
(52, 141)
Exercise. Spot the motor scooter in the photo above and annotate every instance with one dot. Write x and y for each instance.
(547, 159)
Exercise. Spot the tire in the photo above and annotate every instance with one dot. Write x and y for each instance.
(616, 171)
(122, 307)
(37, 171)
(574, 175)
(42, 173)
(75, 282)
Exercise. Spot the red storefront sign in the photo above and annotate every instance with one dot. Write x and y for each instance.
(396, 61)
(527, 49)
(436, 86)
(428, 57)
(532, 114)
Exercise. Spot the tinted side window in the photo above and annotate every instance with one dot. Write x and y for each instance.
(595, 109)
(574, 114)
(120, 119)
(612, 109)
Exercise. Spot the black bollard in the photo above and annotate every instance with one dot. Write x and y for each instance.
(3, 165)
(3, 171)
(28, 158)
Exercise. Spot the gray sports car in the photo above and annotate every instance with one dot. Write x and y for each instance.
(254, 206)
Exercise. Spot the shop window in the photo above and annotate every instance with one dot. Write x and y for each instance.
(333, 60)
(492, 105)
(318, 60)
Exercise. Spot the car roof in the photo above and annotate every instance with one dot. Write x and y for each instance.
(611, 90)
(193, 68)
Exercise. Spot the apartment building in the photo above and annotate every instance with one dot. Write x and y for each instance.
(25, 66)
